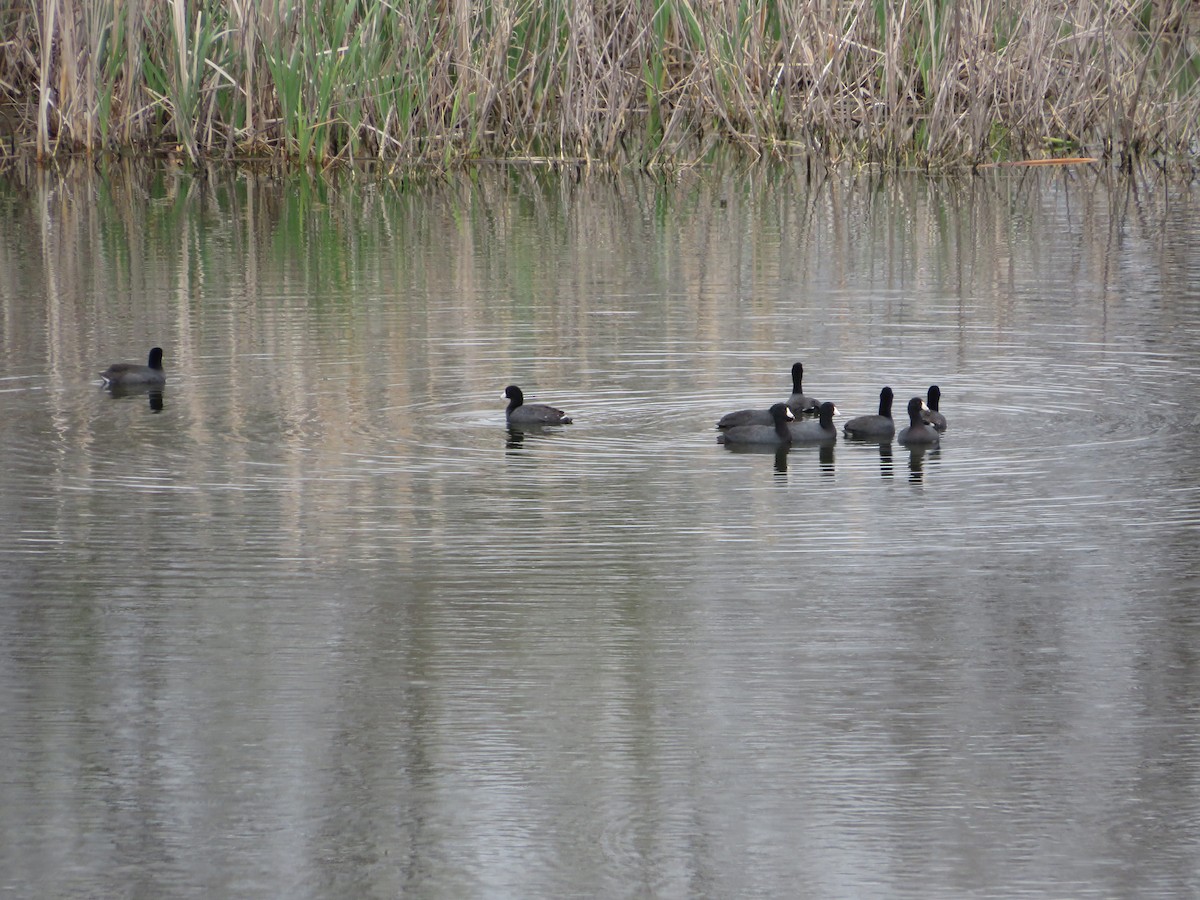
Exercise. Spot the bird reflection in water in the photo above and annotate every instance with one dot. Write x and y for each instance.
(885, 460)
(826, 459)
(784, 456)
(515, 435)
(918, 455)
(781, 461)
(153, 395)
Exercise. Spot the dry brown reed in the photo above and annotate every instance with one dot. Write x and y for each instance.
(920, 82)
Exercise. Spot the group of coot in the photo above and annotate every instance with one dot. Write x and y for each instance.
(802, 419)
(779, 425)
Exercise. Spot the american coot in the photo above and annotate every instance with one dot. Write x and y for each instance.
(745, 417)
(521, 413)
(812, 430)
(127, 374)
(798, 402)
(878, 427)
(932, 415)
(776, 433)
(918, 431)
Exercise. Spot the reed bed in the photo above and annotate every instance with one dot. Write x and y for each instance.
(644, 82)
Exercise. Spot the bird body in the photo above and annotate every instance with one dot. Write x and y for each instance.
(799, 403)
(813, 430)
(776, 434)
(129, 374)
(745, 417)
(918, 431)
(932, 415)
(875, 427)
(521, 413)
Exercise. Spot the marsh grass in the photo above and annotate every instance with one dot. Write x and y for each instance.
(410, 82)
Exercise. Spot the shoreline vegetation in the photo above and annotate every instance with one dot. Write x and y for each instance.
(655, 84)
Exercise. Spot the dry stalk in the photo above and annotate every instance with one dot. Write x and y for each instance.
(931, 81)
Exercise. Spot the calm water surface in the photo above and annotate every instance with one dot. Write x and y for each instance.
(313, 623)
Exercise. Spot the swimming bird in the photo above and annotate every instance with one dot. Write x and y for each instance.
(932, 415)
(745, 417)
(521, 413)
(776, 433)
(878, 427)
(918, 431)
(798, 402)
(127, 374)
(812, 430)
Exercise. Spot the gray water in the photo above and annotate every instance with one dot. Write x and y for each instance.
(313, 623)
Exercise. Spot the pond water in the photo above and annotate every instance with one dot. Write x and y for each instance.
(314, 623)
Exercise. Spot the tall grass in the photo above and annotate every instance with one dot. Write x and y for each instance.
(644, 82)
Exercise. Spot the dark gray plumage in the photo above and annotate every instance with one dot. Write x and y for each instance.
(521, 413)
(128, 374)
(776, 433)
(877, 427)
(811, 430)
(932, 415)
(918, 431)
(799, 403)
